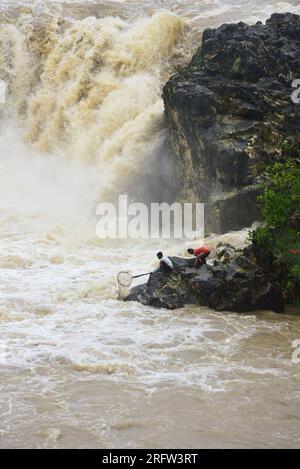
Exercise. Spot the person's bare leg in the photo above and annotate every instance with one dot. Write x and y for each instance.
(204, 258)
(198, 262)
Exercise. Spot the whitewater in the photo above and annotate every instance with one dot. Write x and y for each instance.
(84, 122)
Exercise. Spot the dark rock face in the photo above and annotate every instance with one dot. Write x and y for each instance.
(230, 113)
(239, 285)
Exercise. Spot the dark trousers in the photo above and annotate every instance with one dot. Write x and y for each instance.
(201, 260)
(165, 268)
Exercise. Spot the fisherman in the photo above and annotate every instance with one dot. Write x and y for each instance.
(201, 255)
(165, 264)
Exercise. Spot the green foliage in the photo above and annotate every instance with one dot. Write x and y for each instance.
(293, 284)
(281, 197)
(236, 65)
(280, 202)
(289, 150)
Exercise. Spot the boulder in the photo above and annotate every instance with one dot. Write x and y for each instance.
(226, 252)
(229, 114)
(238, 285)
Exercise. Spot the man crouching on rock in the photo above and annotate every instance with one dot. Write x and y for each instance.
(165, 264)
(201, 256)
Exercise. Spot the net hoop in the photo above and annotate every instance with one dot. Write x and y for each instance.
(124, 279)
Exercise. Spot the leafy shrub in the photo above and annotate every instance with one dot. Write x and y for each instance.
(280, 233)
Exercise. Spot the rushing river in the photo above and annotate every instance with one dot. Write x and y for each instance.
(84, 121)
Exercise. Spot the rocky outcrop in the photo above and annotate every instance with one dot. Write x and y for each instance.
(230, 113)
(237, 284)
(226, 252)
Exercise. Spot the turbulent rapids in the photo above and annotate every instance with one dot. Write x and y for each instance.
(83, 121)
(90, 90)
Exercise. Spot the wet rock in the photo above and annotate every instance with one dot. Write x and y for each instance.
(161, 291)
(226, 252)
(239, 285)
(230, 114)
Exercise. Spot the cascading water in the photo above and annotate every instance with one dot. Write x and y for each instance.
(90, 90)
(84, 121)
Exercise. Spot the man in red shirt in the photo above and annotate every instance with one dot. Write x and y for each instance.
(201, 255)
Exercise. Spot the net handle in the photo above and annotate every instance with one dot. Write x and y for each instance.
(141, 275)
(131, 278)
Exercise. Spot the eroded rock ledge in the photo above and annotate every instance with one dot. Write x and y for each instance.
(235, 282)
(230, 113)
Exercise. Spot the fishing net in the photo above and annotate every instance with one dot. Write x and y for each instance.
(124, 282)
(124, 279)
